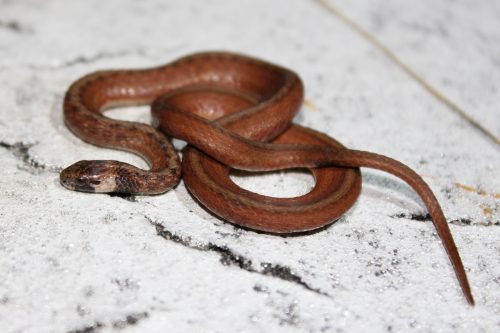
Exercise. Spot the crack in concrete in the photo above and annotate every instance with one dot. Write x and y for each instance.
(230, 258)
(99, 56)
(82, 60)
(88, 329)
(285, 273)
(21, 151)
(427, 218)
(89, 59)
(129, 320)
(15, 27)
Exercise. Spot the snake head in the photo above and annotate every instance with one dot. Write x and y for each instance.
(90, 176)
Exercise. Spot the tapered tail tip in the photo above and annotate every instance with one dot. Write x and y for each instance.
(470, 299)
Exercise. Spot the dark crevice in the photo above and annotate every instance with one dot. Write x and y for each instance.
(230, 258)
(284, 273)
(413, 217)
(83, 60)
(21, 151)
(14, 26)
(102, 55)
(461, 221)
(98, 56)
(468, 222)
(129, 320)
(88, 329)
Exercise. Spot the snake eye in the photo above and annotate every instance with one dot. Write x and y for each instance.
(95, 182)
(80, 182)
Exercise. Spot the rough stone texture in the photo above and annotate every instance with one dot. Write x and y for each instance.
(74, 262)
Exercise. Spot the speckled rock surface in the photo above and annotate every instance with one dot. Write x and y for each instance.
(74, 262)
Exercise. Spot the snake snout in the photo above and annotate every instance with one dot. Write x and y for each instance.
(74, 178)
(88, 176)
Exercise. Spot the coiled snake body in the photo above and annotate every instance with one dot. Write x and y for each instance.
(235, 112)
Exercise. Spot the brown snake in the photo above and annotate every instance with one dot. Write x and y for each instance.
(235, 112)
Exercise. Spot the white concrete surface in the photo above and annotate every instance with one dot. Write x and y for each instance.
(74, 262)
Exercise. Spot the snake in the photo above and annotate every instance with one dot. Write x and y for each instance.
(235, 112)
